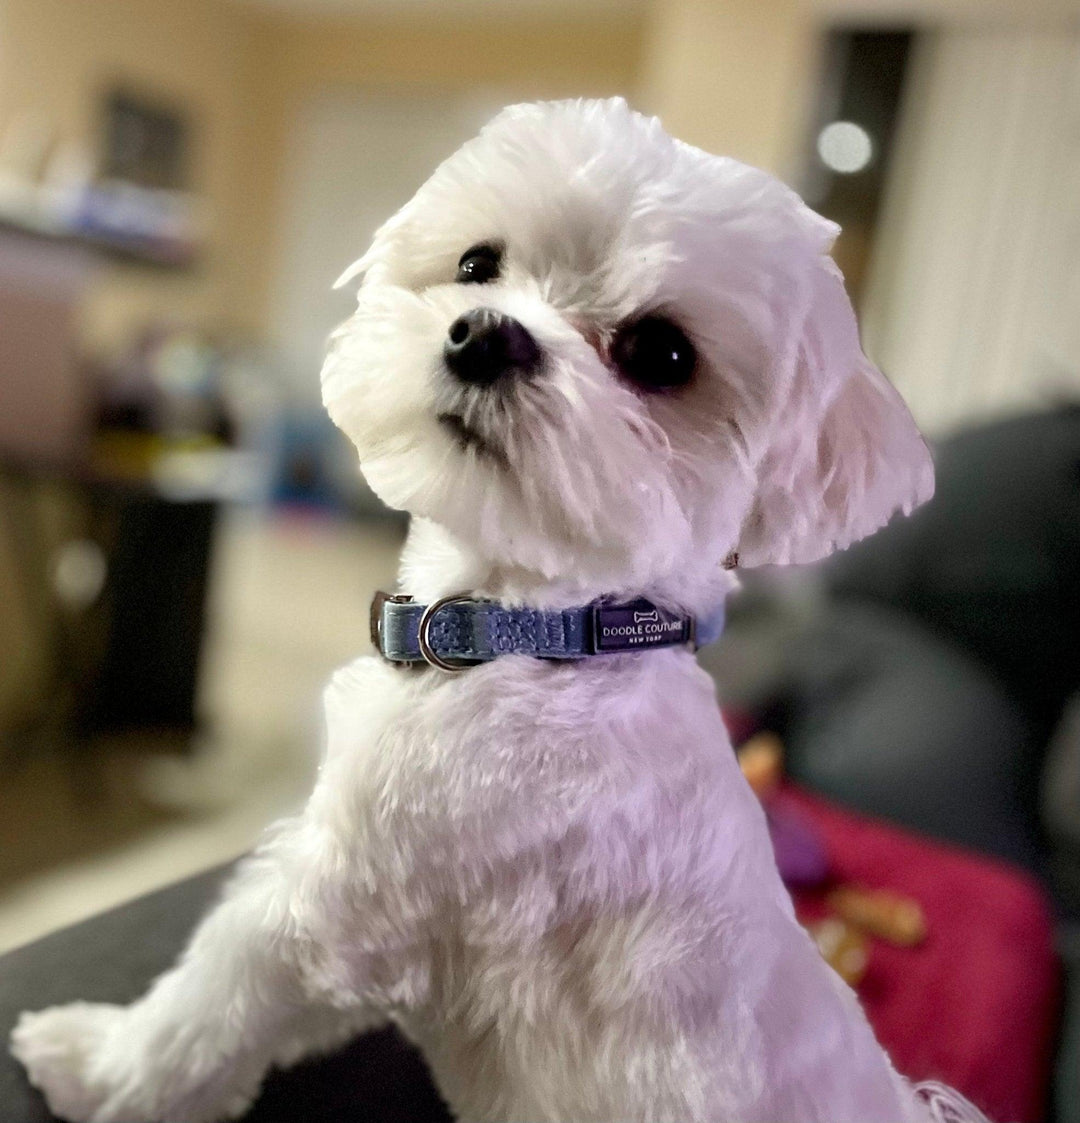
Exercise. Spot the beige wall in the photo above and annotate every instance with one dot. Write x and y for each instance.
(244, 74)
(732, 77)
(728, 76)
(58, 56)
(520, 58)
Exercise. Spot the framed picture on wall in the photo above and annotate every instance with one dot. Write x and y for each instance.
(140, 203)
(144, 142)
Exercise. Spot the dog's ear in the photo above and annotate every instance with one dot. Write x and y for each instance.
(847, 454)
(359, 267)
(382, 241)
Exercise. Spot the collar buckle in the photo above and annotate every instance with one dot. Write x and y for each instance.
(423, 635)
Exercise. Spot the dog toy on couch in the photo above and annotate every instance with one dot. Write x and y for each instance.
(595, 364)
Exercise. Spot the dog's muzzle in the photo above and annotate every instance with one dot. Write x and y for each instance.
(484, 345)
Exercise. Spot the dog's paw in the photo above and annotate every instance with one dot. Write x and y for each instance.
(99, 1064)
(61, 1049)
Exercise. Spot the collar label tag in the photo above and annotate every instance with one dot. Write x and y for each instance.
(636, 626)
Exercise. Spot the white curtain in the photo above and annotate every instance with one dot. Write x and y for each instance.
(973, 302)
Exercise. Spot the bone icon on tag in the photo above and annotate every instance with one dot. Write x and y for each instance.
(646, 617)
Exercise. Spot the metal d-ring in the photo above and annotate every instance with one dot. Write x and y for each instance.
(423, 630)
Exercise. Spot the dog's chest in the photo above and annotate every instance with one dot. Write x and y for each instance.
(613, 770)
(586, 876)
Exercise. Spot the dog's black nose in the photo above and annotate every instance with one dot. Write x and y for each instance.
(483, 345)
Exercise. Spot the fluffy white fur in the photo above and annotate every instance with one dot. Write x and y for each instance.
(552, 876)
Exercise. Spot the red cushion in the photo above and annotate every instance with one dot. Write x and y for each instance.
(976, 1004)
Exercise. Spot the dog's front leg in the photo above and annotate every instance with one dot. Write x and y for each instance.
(194, 1049)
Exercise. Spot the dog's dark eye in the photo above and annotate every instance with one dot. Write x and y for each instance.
(654, 354)
(479, 265)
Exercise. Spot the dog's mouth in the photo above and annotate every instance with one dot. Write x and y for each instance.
(467, 437)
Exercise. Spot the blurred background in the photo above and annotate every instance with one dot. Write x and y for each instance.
(187, 550)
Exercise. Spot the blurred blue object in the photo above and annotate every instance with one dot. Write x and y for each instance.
(302, 461)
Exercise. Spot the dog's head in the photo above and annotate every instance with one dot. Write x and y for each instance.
(595, 353)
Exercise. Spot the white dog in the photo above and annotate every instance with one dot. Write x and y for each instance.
(596, 365)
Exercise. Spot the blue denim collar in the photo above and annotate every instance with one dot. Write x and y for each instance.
(456, 632)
